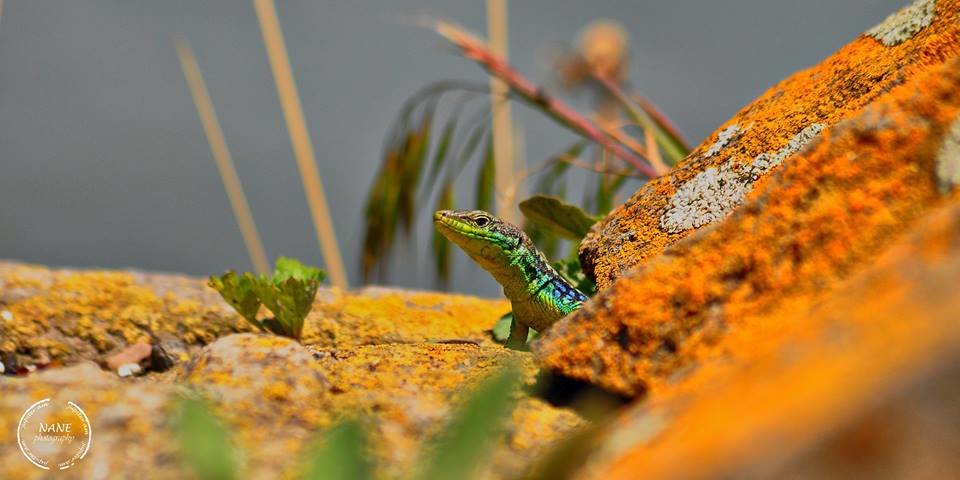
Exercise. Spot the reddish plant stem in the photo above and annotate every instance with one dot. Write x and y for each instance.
(475, 50)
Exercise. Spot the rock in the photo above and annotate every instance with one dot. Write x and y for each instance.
(130, 423)
(131, 355)
(863, 384)
(804, 229)
(164, 355)
(128, 370)
(373, 316)
(375, 353)
(407, 391)
(718, 176)
(76, 315)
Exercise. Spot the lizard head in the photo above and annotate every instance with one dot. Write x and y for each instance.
(489, 241)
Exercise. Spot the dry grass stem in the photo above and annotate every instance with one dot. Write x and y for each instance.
(221, 154)
(501, 122)
(300, 139)
(474, 49)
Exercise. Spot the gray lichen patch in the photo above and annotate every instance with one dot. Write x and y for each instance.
(948, 159)
(903, 24)
(705, 198)
(712, 194)
(723, 138)
(764, 162)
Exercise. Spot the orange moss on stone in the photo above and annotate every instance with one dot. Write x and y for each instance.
(804, 229)
(376, 353)
(377, 315)
(792, 377)
(836, 89)
(407, 392)
(132, 434)
(61, 316)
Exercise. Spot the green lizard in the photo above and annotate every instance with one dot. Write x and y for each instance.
(538, 294)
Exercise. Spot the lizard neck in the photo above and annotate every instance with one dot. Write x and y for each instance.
(538, 294)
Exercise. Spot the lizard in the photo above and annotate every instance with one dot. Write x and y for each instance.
(538, 294)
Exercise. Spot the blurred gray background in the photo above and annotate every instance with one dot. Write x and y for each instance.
(103, 161)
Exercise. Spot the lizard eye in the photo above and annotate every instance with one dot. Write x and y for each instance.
(481, 221)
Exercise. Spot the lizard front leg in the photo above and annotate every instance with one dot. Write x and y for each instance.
(518, 335)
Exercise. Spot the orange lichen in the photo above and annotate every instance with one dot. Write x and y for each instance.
(376, 353)
(407, 391)
(61, 316)
(395, 316)
(71, 315)
(791, 377)
(836, 89)
(820, 217)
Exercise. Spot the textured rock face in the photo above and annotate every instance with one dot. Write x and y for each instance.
(862, 385)
(823, 215)
(783, 304)
(718, 176)
(376, 353)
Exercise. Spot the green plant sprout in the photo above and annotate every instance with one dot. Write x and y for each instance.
(459, 451)
(288, 294)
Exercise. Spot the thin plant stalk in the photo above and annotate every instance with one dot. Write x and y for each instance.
(650, 137)
(502, 127)
(221, 154)
(300, 139)
(669, 140)
(475, 50)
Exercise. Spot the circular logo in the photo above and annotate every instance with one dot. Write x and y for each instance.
(54, 436)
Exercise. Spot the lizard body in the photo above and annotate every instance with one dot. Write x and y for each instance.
(538, 294)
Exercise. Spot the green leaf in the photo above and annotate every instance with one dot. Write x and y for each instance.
(289, 301)
(204, 442)
(413, 155)
(501, 331)
(292, 268)
(341, 455)
(562, 218)
(467, 439)
(381, 214)
(667, 134)
(549, 183)
(288, 294)
(486, 178)
(443, 147)
(238, 292)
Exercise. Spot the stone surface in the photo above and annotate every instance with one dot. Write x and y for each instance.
(399, 360)
(836, 89)
(820, 217)
(861, 385)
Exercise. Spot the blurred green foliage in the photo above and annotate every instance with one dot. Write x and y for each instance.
(288, 294)
(459, 451)
(205, 444)
(341, 454)
(561, 218)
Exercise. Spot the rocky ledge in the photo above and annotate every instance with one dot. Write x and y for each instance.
(398, 359)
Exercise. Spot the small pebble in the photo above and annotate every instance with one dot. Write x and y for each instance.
(128, 369)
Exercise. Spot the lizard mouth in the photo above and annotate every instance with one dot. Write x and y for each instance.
(449, 225)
